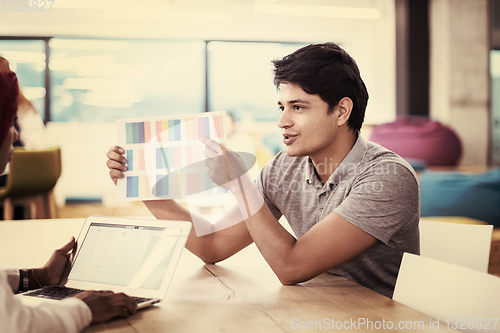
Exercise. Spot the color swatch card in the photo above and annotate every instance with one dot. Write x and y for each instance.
(165, 157)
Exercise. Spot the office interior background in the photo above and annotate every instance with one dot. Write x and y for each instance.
(84, 64)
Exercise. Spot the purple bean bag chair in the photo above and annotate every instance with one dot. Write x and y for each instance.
(419, 138)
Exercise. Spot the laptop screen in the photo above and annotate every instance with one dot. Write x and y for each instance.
(125, 255)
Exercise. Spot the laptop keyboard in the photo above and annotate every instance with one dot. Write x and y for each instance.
(59, 293)
(54, 292)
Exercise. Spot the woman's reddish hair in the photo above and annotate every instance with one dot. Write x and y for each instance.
(9, 91)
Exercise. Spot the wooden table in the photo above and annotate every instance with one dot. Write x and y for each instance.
(241, 294)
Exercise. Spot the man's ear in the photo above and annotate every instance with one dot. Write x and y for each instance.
(345, 107)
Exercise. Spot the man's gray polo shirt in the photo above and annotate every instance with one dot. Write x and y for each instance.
(373, 188)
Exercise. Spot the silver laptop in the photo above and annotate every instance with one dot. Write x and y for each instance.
(134, 256)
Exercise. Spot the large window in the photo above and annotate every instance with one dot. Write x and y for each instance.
(241, 78)
(104, 80)
(27, 59)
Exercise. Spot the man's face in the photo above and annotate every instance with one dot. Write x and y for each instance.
(308, 129)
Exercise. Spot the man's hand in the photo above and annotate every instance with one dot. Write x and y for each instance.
(227, 169)
(225, 165)
(50, 274)
(116, 163)
(105, 305)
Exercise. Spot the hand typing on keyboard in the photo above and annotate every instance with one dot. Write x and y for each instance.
(107, 304)
(104, 305)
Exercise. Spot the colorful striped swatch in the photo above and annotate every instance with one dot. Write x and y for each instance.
(165, 158)
(169, 157)
(167, 186)
(138, 186)
(135, 132)
(174, 129)
(200, 182)
(136, 159)
(170, 186)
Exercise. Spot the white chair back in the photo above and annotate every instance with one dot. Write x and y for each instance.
(466, 245)
(461, 298)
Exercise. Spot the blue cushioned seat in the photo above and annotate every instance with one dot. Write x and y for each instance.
(461, 194)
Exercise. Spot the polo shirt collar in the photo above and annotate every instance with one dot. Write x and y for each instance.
(350, 163)
(309, 174)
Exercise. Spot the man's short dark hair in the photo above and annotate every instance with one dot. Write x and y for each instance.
(328, 71)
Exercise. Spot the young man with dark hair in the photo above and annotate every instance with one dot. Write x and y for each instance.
(328, 71)
(353, 205)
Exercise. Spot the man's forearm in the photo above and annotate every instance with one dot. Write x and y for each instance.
(171, 210)
(213, 246)
(273, 241)
(167, 210)
(328, 244)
